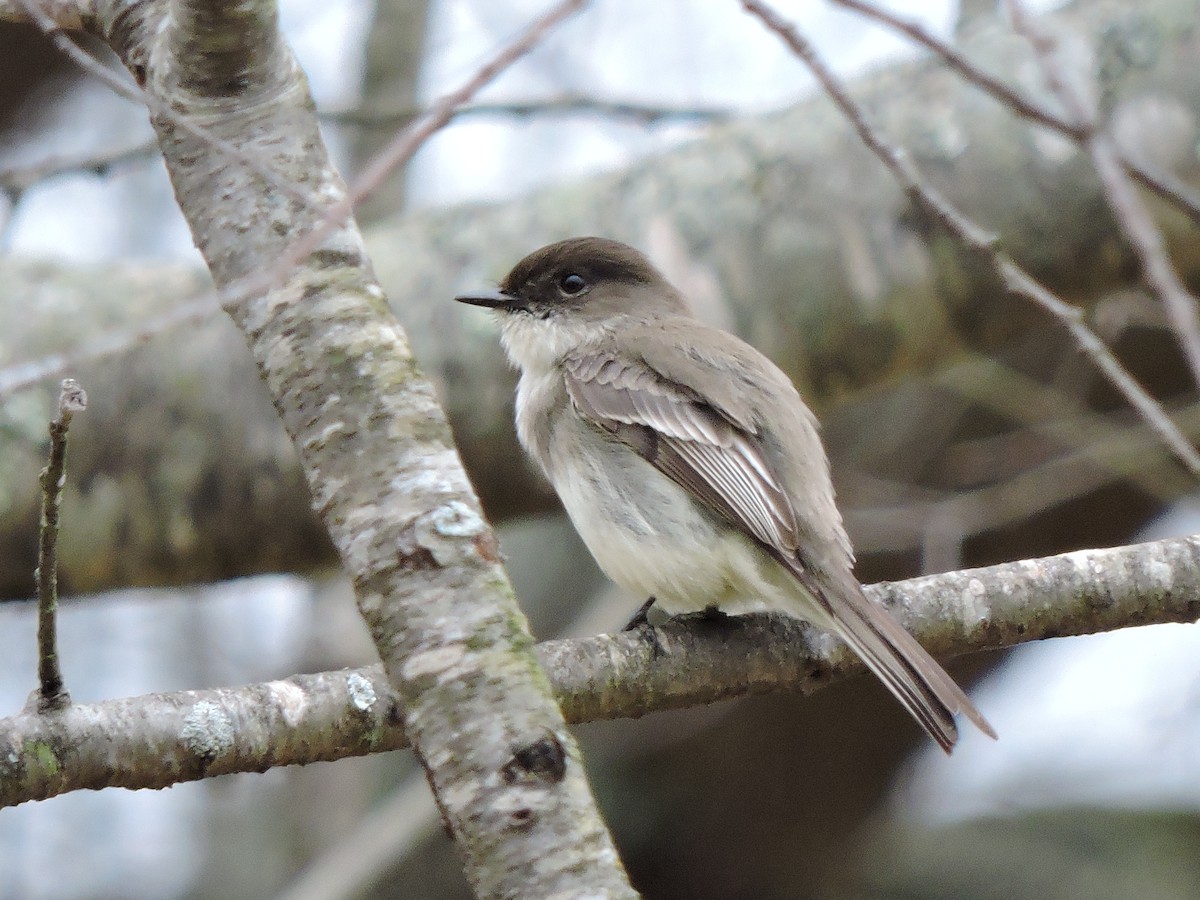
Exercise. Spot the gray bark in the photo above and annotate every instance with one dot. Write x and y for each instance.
(374, 446)
(160, 739)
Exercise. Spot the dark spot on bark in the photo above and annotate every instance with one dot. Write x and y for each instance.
(487, 547)
(543, 760)
(139, 75)
(333, 259)
(395, 712)
(416, 559)
(413, 556)
(1020, 628)
(522, 819)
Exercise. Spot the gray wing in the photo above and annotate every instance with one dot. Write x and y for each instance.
(719, 462)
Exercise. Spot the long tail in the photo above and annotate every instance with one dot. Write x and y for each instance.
(911, 674)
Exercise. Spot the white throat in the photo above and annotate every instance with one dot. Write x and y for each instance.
(536, 346)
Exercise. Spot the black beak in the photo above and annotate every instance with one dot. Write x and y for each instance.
(492, 299)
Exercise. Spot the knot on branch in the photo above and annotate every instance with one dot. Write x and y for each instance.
(208, 731)
(544, 760)
(451, 534)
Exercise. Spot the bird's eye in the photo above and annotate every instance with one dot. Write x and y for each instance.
(572, 284)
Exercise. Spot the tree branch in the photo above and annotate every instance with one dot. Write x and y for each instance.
(1163, 184)
(161, 739)
(374, 445)
(979, 240)
(565, 105)
(1131, 213)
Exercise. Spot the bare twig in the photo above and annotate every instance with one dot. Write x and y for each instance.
(52, 694)
(443, 110)
(562, 105)
(396, 154)
(1013, 99)
(26, 374)
(1022, 284)
(1131, 214)
(18, 179)
(899, 527)
(1050, 422)
(1162, 184)
(977, 239)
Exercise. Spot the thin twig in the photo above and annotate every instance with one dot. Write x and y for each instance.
(15, 180)
(562, 105)
(978, 239)
(26, 374)
(1133, 218)
(402, 148)
(900, 525)
(52, 694)
(1162, 184)
(1010, 97)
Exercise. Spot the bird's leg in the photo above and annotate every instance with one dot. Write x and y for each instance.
(639, 618)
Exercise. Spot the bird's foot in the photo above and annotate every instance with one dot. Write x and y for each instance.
(641, 621)
(639, 618)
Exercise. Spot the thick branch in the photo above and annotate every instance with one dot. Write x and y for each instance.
(373, 443)
(161, 739)
(222, 47)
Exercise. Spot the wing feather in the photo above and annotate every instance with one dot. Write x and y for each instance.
(690, 441)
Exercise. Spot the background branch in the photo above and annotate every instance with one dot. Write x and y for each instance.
(981, 241)
(1162, 184)
(1131, 213)
(837, 278)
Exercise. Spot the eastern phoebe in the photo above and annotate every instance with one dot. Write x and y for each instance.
(688, 462)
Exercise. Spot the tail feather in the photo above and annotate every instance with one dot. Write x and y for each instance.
(913, 676)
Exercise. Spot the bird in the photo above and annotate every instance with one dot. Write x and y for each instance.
(688, 462)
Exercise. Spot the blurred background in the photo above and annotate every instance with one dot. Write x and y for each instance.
(964, 429)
